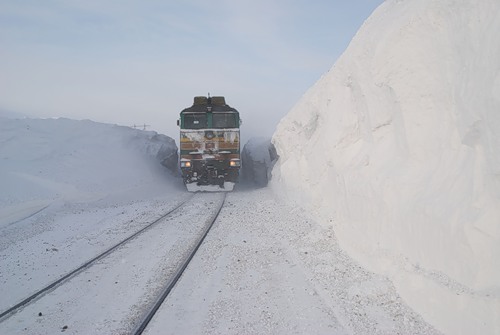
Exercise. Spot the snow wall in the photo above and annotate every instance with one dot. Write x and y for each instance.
(45, 160)
(398, 146)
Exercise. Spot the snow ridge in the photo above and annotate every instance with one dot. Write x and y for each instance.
(50, 160)
(398, 146)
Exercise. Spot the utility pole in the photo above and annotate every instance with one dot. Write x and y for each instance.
(144, 126)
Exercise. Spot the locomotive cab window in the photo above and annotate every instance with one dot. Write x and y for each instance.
(195, 121)
(224, 120)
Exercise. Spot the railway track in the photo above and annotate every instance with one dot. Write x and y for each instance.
(168, 286)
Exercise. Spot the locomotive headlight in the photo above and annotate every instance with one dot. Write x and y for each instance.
(234, 163)
(185, 164)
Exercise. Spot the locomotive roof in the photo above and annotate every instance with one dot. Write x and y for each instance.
(210, 104)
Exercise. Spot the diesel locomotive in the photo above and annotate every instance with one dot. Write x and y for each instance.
(209, 145)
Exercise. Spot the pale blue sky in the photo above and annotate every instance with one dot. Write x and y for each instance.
(133, 62)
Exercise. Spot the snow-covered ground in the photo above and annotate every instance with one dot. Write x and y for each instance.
(268, 268)
(79, 187)
(398, 148)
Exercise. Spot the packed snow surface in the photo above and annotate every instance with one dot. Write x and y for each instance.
(398, 148)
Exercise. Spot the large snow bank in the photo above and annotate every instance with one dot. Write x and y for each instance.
(398, 145)
(49, 160)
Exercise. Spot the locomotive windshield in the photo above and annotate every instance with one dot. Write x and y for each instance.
(224, 120)
(195, 121)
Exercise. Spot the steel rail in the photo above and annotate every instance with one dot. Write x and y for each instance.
(180, 270)
(87, 264)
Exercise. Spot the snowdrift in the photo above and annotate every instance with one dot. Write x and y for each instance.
(48, 160)
(398, 147)
(258, 158)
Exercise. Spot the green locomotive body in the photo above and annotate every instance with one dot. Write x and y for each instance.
(209, 145)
